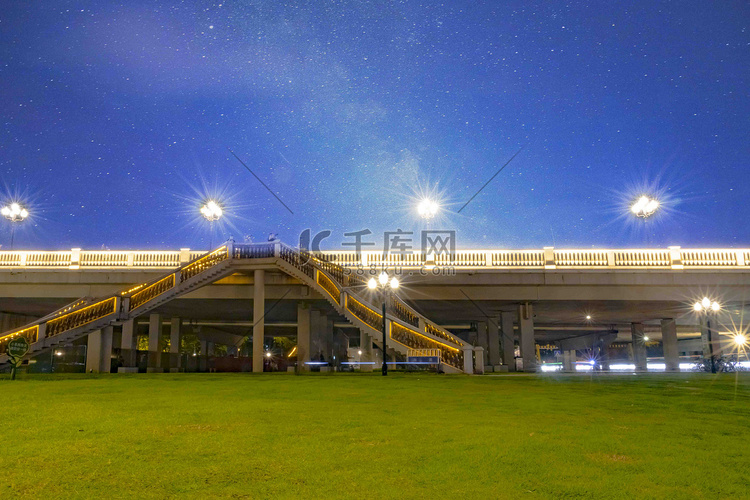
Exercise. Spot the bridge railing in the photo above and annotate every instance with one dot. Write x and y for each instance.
(546, 258)
(78, 259)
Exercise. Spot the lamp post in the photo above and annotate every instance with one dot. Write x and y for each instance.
(15, 213)
(427, 210)
(387, 286)
(706, 307)
(211, 211)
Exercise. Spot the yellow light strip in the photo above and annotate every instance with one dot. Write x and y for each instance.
(392, 323)
(114, 309)
(70, 307)
(421, 335)
(20, 332)
(453, 338)
(321, 275)
(171, 276)
(348, 297)
(133, 289)
(208, 256)
(292, 352)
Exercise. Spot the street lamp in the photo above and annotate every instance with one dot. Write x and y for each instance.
(428, 208)
(212, 211)
(388, 286)
(705, 307)
(15, 213)
(740, 340)
(644, 207)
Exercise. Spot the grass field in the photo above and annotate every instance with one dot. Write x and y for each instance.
(365, 436)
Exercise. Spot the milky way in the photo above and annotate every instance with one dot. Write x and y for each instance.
(118, 120)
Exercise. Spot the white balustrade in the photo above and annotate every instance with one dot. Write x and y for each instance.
(547, 258)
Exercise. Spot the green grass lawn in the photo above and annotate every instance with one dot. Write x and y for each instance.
(365, 436)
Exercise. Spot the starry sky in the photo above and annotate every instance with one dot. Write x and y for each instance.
(119, 120)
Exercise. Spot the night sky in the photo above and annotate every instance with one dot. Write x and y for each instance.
(118, 118)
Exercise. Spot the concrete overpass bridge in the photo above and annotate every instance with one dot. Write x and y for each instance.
(480, 309)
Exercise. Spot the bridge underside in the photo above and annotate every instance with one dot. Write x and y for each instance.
(507, 314)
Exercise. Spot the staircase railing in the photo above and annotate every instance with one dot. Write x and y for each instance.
(86, 311)
(404, 322)
(405, 326)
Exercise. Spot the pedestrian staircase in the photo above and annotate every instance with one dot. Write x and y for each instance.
(344, 288)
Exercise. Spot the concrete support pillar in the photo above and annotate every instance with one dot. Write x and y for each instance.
(482, 340)
(526, 330)
(603, 363)
(94, 352)
(303, 335)
(99, 351)
(203, 360)
(669, 343)
(639, 346)
(479, 359)
(259, 310)
(128, 344)
(328, 340)
(106, 359)
(365, 346)
(175, 335)
(569, 360)
(322, 335)
(154, 335)
(493, 348)
(468, 359)
(508, 340)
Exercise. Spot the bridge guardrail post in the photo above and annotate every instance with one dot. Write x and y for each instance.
(740, 258)
(41, 332)
(549, 258)
(675, 258)
(611, 258)
(75, 258)
(184, 256)
(124, 307)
